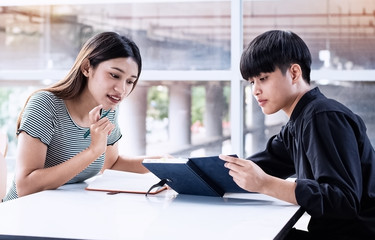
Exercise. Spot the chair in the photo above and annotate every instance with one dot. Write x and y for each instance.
(3, 165)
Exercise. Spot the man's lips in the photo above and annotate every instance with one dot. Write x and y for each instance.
(262, 102)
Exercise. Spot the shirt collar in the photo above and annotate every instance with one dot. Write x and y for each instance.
(306, 99)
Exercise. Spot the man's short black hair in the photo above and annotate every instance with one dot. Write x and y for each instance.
(275, 49)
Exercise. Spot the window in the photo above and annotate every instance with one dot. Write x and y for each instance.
(186, 101)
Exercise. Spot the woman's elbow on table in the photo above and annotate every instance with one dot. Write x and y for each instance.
(25, 186)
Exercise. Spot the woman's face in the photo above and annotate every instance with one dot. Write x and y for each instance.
(111, 81)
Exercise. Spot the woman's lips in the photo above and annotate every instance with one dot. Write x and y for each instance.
(114, 99)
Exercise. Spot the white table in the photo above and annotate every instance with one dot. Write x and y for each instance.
(72, 212)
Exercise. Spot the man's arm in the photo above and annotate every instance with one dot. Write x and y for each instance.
(251, 177)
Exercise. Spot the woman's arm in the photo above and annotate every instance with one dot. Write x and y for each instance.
(31, 176)
(124, 163)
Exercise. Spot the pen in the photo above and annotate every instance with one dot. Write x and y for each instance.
(87, 133)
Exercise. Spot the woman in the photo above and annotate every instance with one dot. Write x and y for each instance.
(62, 136)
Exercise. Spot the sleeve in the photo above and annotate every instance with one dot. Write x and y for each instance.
(332, 151)
(39, 117)
(116, 133)
(275, 159)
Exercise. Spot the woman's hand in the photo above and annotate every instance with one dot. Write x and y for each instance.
(100, 128)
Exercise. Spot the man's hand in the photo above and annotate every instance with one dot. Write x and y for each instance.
(245, 173)
(252, 178)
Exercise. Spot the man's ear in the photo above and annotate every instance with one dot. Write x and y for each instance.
(295, 72)
(85, 67)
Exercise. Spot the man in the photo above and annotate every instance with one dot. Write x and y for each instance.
(323, 143)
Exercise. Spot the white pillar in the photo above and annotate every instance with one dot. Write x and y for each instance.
(132, 121)
(213, 114)
(179, 115)
(236, 105)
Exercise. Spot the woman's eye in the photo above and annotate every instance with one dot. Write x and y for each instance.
(114, 75)
(130, 82)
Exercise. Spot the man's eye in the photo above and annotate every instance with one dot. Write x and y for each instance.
(263, 78)
(251, 82)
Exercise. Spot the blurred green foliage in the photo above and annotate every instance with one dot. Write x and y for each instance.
(226, 92)
(198, 96)
(4, 96)
(158, 102)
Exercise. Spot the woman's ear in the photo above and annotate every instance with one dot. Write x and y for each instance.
(295, 72)
(85, 67)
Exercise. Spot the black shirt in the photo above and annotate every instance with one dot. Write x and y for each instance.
(326, 146)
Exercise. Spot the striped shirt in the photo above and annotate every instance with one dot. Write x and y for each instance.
(46, 117)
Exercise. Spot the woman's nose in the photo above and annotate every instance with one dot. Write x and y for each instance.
(120, 87)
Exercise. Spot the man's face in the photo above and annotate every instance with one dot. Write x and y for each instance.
(273, 91)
